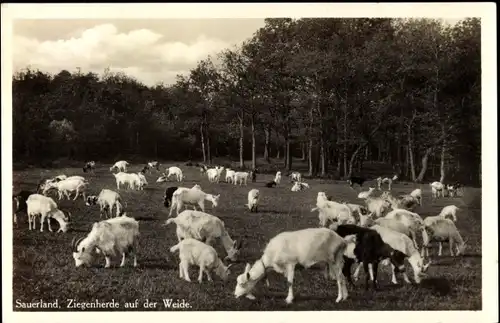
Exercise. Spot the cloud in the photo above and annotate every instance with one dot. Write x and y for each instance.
(141, 53)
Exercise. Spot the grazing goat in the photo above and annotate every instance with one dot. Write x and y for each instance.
(68, 186)
(113, 237)
(450, 210)
(417, 194)
(230, 175)
(207, 228)
(154, 164)
(167, 199)
(401, 242)
(89, 166)
(356, 209)
(287, 249)
(442, 230)
(277, 178)
(386, 180)
(366, 194)
(142, 180)
(271, 184)
(45, 207)
(193, 196)
(299, 186)
(121, 166)
(356, 180)
(437, 188)
(20, 205)
(240, 177)
(44, 182)
(369, 249)
(107, 200)
(194, 252)
(412, 221)
(407, 202)
(253, 199)
(332, 211)
(295, 177)
(131, 180)
(174, 170)
(377, 205)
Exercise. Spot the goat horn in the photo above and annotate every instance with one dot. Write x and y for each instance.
(73, 243)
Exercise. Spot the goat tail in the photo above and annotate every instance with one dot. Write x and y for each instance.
(175, 248)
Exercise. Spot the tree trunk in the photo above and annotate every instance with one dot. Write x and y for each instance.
(288, 155)
(254, 161)
(242, 163)
(425, 162)
(353, 158)
(345, 140)
(410, 155)
(202, 133)
(322, 156)
(266, 144)
(209, 154)
(310, 157)
(278, 153)
(442, 168)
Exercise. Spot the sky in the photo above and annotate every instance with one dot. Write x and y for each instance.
(150, 50)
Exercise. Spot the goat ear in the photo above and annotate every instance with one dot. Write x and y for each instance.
(247, 267)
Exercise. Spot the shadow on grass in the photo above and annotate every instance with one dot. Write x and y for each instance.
(436, 285)
(145, 218)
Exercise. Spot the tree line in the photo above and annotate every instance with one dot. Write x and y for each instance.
(335, 93)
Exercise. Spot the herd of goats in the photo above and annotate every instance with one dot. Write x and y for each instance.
(384, 230)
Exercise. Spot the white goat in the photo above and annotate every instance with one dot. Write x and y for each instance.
(253, 199)
(437, 188)
(107, 200)
(194, 252)
(442, 230)
(295, 177)
(277, 178)
(332, 211)
(205, 227)
(45, 207)
(366, 194)
(450, 210)
(121, 166)
(412, 221)
(356, 209)
(417, 194)
(299, 186)
(404, 244)
(240, 177)
(377, 205)
(176, 171)
(229, 175)
(131, 179)
(404, 202)
(113, 237)
(68, 186)
(287, 249)
(192, 197)
(212, 174)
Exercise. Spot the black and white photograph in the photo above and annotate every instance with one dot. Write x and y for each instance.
(286, 158)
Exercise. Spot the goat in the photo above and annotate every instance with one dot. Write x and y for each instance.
(271, 184)
(299, 186)
(442, 230)
(417, 194)
(356, 180)
(20, 205)
(287, 249)
(356, 209)
(107, 200)
(46, 207)
(194, 252)
(67, 186)
(369, 249)
(193, 197)
(407, 202)
(111, 237)
(89, 166)
(240, 177)
(277, 177)
(167, 199)
(437, 188)
(450, 210)
(253, 199)
(386, 180)
(401, 242)
(154, 164)
(295, 177)
(207, 228)
(366, 194)
(412, 221)
(230, 175)
(332, 211)
(174, 170)
(121, 166)
(131, 179)
(377, 205)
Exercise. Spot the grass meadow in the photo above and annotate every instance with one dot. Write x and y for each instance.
(44, 267)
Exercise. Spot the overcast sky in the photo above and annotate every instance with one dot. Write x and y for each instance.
(150, 50)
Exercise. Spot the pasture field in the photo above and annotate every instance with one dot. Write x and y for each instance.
(44, 267)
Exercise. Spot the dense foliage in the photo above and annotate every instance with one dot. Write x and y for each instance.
(335, 92)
